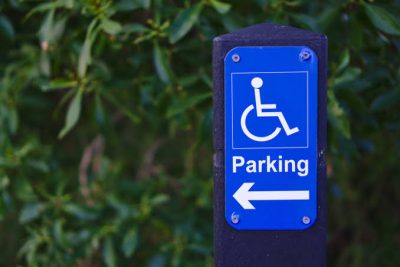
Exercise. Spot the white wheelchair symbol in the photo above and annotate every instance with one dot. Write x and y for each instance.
(257, 83)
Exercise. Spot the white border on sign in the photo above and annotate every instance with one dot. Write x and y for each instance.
(268, 147)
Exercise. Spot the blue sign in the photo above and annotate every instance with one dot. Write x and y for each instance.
(271, 137)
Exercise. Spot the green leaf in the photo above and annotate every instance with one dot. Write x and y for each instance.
(130, 243)
(13, 120)
(110, 26)
(99, 111)
(344, 61)
(184, 22)
(57, 84)
(109, 253)
(221, 7)
(4, 183)
(45, 31)
(24, 190)
(159, 199)
(337, 116)
(308, 21)
(44, 63)
(134, 28)
(6, 28)
(328, 18)
(185, 104)
(73, 113)
(84, 57)
(383, 20)
(80, 213)
(349, 75)
(129, 5)
(126, 5)
(124, 109)
(144, 3)
(58, 233)
(58, 29)
(386, 100)
(30, 212)
(161, 63)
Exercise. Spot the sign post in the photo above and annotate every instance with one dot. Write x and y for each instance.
(270, 140)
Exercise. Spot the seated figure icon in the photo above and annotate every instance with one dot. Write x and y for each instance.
(264, 110)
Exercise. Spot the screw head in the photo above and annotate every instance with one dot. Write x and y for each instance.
(306, 220)
(235, 218)
(235, 58)
(305, 55)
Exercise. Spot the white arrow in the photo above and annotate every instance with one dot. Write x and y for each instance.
(243, 195)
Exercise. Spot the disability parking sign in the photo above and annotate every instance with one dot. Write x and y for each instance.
(271, 137)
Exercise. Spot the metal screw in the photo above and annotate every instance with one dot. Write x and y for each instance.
(234, 218)
(306, 220)
(305, 55)
(235, 58)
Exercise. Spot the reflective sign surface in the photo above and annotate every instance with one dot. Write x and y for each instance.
(271, 138)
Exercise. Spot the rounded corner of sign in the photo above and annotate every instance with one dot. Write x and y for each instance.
(309, 225)
(230, 223)
(230, 52)
(313, 53)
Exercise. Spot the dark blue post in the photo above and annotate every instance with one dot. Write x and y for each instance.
(270, 84)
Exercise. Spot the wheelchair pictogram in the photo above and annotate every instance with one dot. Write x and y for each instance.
(257, 83)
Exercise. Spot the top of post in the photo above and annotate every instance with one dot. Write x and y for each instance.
(269, 31)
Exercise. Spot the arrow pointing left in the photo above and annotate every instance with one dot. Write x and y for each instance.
(243, 195)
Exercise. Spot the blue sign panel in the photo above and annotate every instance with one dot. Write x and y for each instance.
(271, 138)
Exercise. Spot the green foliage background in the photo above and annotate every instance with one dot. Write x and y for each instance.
(105, 128)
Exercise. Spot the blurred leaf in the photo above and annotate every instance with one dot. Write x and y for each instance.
(84, 57)
(157, 261)
(73, 114)
(44, 63)
(350, 74)
(38, 165)
(221, 7)
(58, 233)
(57, 84)
(129, 5)
(13, 120)
(386, 100)
(344, 61)
(110, 26)
(161, 63)
(4, 183)
(45, 31)
(30, 212)
(327, 18)
(134, 28)
(159, 199)
(383, 19)
(6, 28)
(24, 190)
(124, 109)
(144, 3)
(184, 22)
(308, 21)
(58, 29)
(130, 243)
(80, 213)
(108, 253)
(126, 5)
(230, 23)
(99, 110)
(337, 116)
(185, 104)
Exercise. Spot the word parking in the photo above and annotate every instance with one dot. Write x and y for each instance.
(271, 165)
